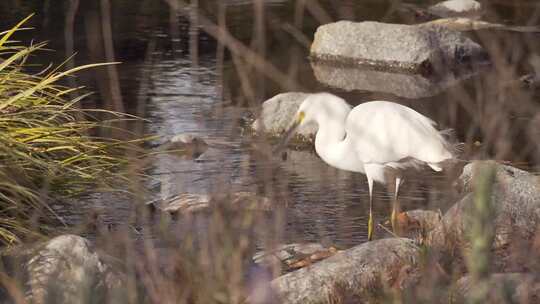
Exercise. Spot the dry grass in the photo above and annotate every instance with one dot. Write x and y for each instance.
(47, 148)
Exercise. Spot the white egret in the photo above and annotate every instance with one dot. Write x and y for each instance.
(371, 138)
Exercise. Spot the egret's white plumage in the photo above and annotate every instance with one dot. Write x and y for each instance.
(372, 137)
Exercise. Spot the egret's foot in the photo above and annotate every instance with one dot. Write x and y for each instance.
(370, 228)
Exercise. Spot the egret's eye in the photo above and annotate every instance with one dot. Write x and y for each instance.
(301, 116)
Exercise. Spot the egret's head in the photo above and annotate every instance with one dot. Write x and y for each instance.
(301, 117)
(320, 108)
(316, 109)
(308, 112)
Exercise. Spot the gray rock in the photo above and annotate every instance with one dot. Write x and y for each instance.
(359, 272)
(456, 8)
(67, 270)
(277, 115)
(516, 203)
(405, 85)
(503, 288)
(394, 46)
(504, 175)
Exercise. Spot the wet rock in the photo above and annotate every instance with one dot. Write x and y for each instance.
(463, 24)
(277, 114)
(185, 144)
(187, 203)
(531, 80)
(285, 252)
(466, 24)
(67, 270)
(503, 288)
(425, 219)
(358, 273)
(456, 8)
(396, 47)
(183, 203)
(417, 223)
(516, 202)
(294, 256)
(505, 175)
(405, 85)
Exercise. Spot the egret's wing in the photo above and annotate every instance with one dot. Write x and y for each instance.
(385, 132)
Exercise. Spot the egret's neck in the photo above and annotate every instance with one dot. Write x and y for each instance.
(330, 134)
(330, 142)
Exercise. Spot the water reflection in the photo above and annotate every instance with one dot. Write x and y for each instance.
(411, 86)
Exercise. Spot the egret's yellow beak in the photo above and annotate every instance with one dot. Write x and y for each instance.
(290, 132)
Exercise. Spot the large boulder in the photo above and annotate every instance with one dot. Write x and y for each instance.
(277, 115)
(503, 288)
(411, 48)
(505, 176)
(515, 200)
(358, 273)
(67, 270)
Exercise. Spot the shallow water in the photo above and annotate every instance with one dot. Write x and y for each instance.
(179, 88)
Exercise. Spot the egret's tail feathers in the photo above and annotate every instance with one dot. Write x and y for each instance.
(435, 167)
(451, 142)
(457, 149)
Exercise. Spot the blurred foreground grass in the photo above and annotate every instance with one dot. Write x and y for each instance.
(47, 146)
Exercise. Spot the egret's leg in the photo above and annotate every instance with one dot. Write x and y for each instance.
(370, 220)
(395, 207)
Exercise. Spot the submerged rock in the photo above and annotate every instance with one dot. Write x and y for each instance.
(466, 24)
(294, 256)
(67, 270)
(185, 144)
(462, 24)
(531, 80)
(503, 288)
(359, 273)
(190, 202)
(277, 115)
(412, 48)
(405, 85)
(456, 8)
(516, 202)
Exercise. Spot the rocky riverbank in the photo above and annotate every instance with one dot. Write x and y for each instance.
(395, 267)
